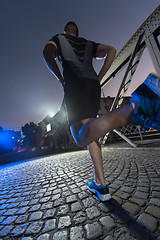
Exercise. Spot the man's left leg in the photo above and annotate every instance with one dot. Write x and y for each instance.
(97, 185)
(96, 155)
(95, 152)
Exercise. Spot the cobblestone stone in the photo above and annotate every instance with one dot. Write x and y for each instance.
(50, 200)
(66, 193)
(49, 225)
(34, 228)
(62, 210)
(121, 215)
(61, 235)
(11, 212)
(79, 218)
(108, 222)
(94, 230)
(122, 195)
(36, 216)
(140, 202)
(155, 211)
(132, 208)
(155, 194)
(71, 199)
(44, 200)
(127, 189)
(75, 207)
(23, 204)
(49, 213)
(46, 205)
(12, 205)
(109, 238)
(143, 189)
(33, 201)
(21, 219)
(155, 201)
(1, 219)
(105, 208)
(34, 208)
(92, 212)
(45, 236)
(148, 221)
(123, 234)
(118, 200)
(9, 220)
(27, 238)
(59, 202)
(64, 222)
(54, 197)
(77, 233)
(22, 210)
(83, 195)
(1, 226)
(19, 230)
(89, 202)
(6, 230)
(141, 195)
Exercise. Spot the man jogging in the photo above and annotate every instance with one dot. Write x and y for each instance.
(82, 95)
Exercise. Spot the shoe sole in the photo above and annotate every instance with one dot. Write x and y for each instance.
(103, 198)
(152, 81)
(150, 87)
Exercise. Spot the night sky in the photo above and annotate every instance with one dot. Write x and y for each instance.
(28, 91)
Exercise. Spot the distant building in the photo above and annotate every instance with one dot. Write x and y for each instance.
(57, 135)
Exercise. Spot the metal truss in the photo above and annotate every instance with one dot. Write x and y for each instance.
(150, 27)
(146, 36)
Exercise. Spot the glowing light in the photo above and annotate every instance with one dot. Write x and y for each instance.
(49, 110)
(48, 127)
(5, 140)
(51, 114)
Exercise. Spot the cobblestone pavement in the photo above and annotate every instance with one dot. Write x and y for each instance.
(47, 198)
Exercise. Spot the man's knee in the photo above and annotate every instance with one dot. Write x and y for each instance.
(76, 137)
(75, 130)
(80, 132)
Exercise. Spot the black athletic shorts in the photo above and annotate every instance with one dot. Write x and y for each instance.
(82, 99)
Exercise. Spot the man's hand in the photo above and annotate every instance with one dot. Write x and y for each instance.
(107, 52)
(50, 54)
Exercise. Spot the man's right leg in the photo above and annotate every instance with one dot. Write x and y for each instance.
(98, 127)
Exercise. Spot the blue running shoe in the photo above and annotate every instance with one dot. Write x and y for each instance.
(101, 191)
(147, 111)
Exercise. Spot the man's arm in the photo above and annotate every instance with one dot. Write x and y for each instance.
(107, 52)
(50, 54)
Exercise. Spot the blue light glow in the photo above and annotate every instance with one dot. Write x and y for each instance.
(6, 140)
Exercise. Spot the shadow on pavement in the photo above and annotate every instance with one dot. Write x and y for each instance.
(137, 229)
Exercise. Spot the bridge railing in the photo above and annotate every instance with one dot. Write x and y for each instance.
(147, 36)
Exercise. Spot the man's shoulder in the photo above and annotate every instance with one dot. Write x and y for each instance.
(70, 38)
(55, 37)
